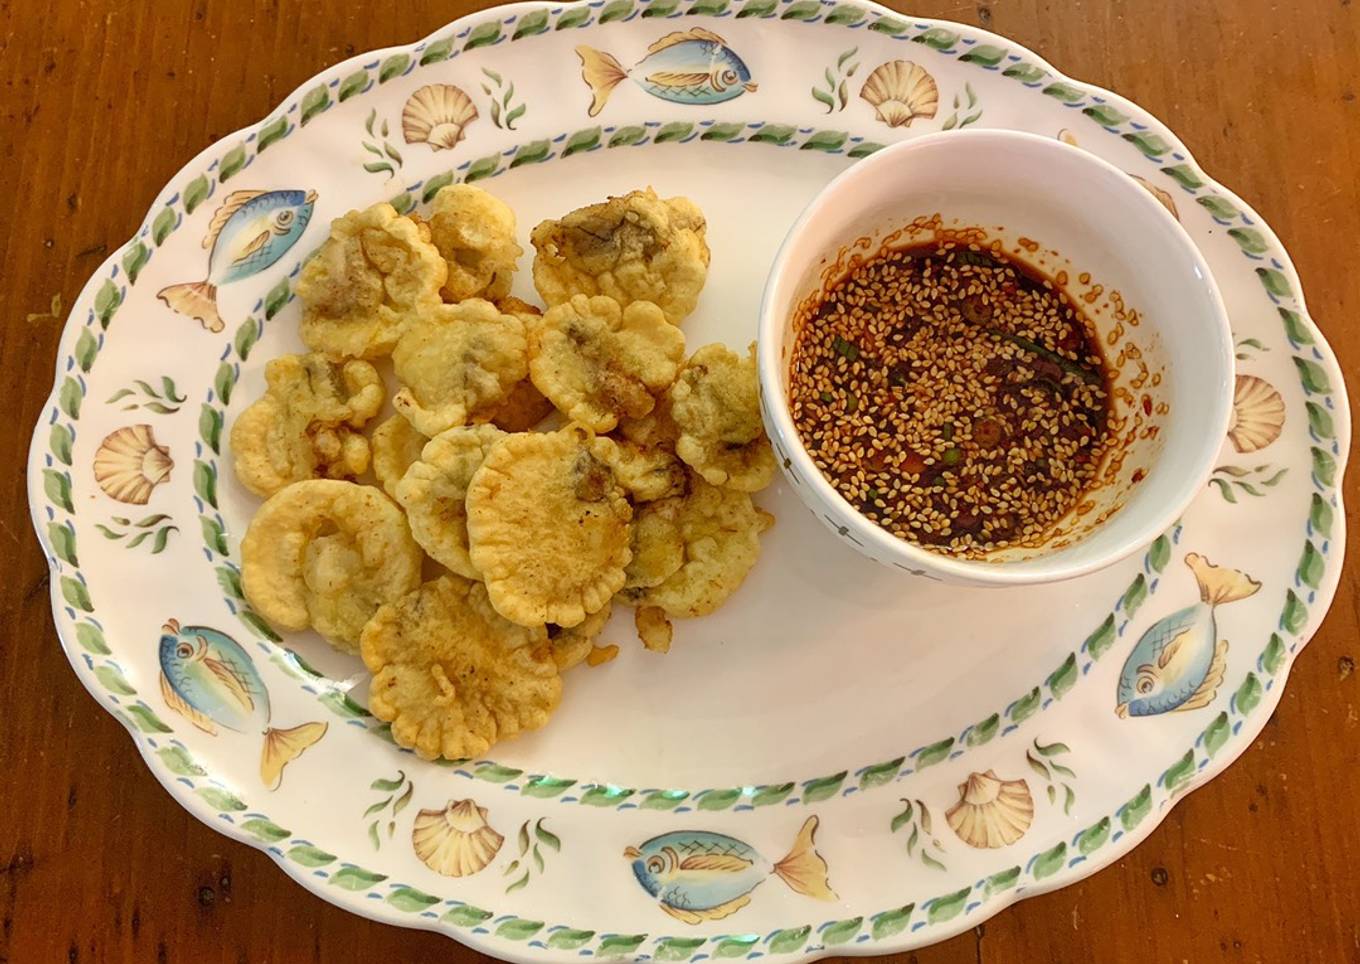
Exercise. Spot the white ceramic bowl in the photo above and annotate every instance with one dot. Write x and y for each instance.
(1110, 244)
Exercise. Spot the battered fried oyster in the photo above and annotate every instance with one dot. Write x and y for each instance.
(452, 676)
(548, 527)
(637, 247)
(327, 554)
(305, 425)
(658, 544)
(720, 528)
(655, 431)
(475, 234)
(434, 491)
(648, 473)
(716, 407)
(598, 363)
(525, 407)
(376, 267)
(395, 444)
(457, 363)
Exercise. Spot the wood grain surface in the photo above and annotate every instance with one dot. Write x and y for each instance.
(103, 100)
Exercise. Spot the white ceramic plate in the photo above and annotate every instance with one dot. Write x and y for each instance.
(829, 689)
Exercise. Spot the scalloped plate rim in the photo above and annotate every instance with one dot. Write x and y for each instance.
(510, 951)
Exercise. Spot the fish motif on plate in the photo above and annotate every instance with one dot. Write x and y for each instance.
(207, 678)
(250, 232)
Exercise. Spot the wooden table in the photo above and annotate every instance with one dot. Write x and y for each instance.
(103, 100)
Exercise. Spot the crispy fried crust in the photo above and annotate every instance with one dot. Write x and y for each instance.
(548, 527)
(305, 425)
(327, 554)
(721, 529)
(395, 444)
(376, 267)
(457, 363)
(716, 407)
(570, 647)
(475, 234)
(658, 544)
(452, 676)
(637, 247)
(598, 363)
(434, 492)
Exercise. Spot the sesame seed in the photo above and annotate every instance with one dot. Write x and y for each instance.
(957, 398)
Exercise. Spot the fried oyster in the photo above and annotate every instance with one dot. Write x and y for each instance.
(395, 444)
(434, 491)
(305, 426)
(548, 527)
(598, 362)
(357, 289)
(457, 363)
(647, 472)
(720, 529)
(452, 676)
(658, 544)
(524, 407)
(637, 247)
(716, 407)
(475, 234)
(327, 554)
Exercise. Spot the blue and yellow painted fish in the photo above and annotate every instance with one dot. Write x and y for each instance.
(1178, 664)
(686, 67)
(208, 679)
(698, 876)
(249, 232)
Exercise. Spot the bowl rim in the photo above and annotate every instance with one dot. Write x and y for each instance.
(1042, 568)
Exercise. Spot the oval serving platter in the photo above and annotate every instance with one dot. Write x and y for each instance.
(845, 759)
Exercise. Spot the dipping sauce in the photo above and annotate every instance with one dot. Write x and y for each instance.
(954, 396)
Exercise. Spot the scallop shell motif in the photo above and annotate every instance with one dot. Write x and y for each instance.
(1257, 414)
(437, 115)
(1163, 196)
(991, 812)
(1160, 194)
(456, 841)
(900, 92)
(129, 464)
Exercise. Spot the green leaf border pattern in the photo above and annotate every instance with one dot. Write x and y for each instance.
(207, 468)
(810, 791)
(74, 600)
(943, 41)
(213, 526)
(919, 914)
(58, 535)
